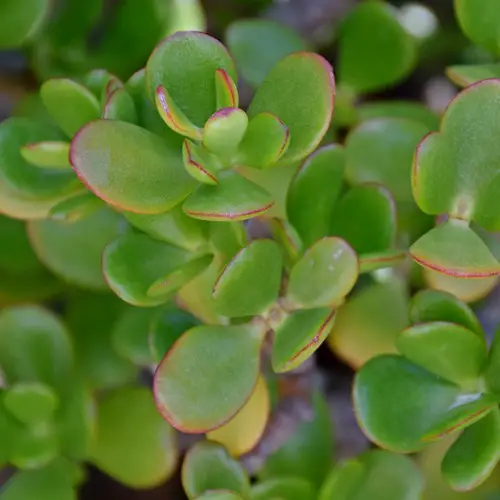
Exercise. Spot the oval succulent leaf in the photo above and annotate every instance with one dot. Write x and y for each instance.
(130, 167)
(208, 466)
(200, 163)
(324, 275)
(266, 140)
(219, 495)
(291, 488)
(120, 106)
(234, 198)
(250, 283)
(208, 375)
(299, 90)
(182, 64)
(47, 154)
(76, 208)
(313, 193)
(454, 249)
(224, 130)
(225, 90)
(370, 262)
(70, 104)
(299, 336)
(464, 75)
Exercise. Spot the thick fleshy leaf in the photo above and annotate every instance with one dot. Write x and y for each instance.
(244, 430)
(75, 208)
(371, 29)
(208, 375)
(324, 275)
(92, 318)
(120, 106)
(250, 283)
(34, 346)
(226, 90)
(365, 217)
(448, 350)
(313, 193)
(130, 167)
(185, 64)
(412, 400)
(492, 374)
(480, 22)
(453, 248)
(133, 443)
(464, 76)
(73, 251)
(48, 154)
(224, 130)
(219, 495)
(378, 475)
(368, 323)
(31, 402)
(234, 198)
(265, 142)
(307, 453)
(208, 466)
(435, 305)
(370, 262)
(21, 21)
(39, 484)
(474, 455)
(173, 227)
(200, 163)
(411, 110)
(455, 171)
(299, 336)
(166, 328)
(259, 44)
(70, 104)
(306, 80)
(381, 150)
(133, 262)
(291, 488)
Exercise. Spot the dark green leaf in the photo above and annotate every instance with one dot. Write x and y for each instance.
(291, 488)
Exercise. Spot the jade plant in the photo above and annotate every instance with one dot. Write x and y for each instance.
(182, 231)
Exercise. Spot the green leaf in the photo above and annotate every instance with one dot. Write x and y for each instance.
(200, 163)
(173, 227)
(226, 90)
(130, 335)
(133, 444)
(376, 474)
(365, 217)
(219, 495)
(307, 453)
(76, 208)
(381, 150)
(291, 488)
(31, 402)
(480, 22)
(258, 45)
(250, 283)
(208, 466)
(133, 262)
(436, 305)
(120, 106)
(369, 322)
(92, 318)
(70, 104)
(73, 251)
(464, 75)
(266, 140)
(299, 336)
(234, 198)
(456, 170)
(185, 64)
(166, 327)
(324, 275)
(48, 154)
(20, 22)
(474, 455)
(369, 30)
(34, 346)
(448, 350)
(208, 375)
(396, 402)
(224, 130)
(299, 90)
(370, 262)
(129, 167)
(39, 484)
(313, 193)
(411, 110)
(453, 248)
